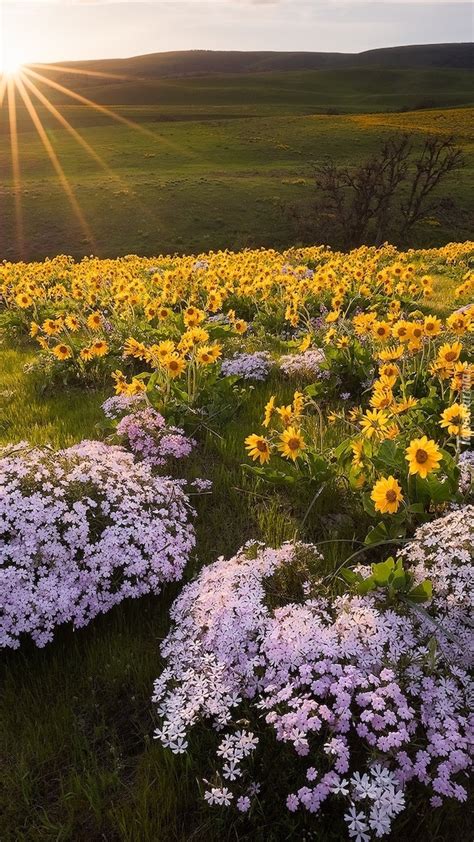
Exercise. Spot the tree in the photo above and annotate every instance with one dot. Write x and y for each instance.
(384, 197)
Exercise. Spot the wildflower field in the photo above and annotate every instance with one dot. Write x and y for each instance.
(236, 544)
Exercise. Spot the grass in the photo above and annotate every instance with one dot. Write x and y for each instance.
(203, 183)
(279, 93)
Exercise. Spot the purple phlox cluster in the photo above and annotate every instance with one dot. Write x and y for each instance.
(254, 366)
(82, 529)
(149, 438)
(117, 405)
(443, 552)
(201, 485)
(305, 364)
(338, 679)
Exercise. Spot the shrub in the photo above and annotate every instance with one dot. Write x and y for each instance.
(367, 701)
(254, 366)
(306, 365)
(145, 432)
(81, 530)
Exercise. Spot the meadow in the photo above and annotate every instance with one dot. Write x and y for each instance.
(219, 161)
(303, 379)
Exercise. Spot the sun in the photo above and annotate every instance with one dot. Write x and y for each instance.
(10, 63)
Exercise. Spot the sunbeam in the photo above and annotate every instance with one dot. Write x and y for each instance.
(15, 155)
(3, 89)
(108, 112)
(62, 68)
(102, 109)
(70, 129)
(84, 144)
(54, 160)
(30, 87)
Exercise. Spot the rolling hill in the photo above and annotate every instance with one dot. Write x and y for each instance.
(196, 62)
(260, 83)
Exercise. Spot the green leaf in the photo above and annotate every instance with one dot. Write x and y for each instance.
(349, 576)
(377, 534)
(217, 331)
(381, 572)
(389, 455)
(343, 448)
(368, 505)
(366, 586)
(399, 577)
(416, 508)
(439, 491)
(422, 593)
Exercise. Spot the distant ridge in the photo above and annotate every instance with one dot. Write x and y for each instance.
(208, 62)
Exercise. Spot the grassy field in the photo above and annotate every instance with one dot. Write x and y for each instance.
(192, 185)
(291, 92)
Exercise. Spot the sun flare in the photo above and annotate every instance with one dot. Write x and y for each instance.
(10, 64)
(22, 89)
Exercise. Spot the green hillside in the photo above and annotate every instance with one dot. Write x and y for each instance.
(191, 62)
(216, 159)
(304, 92)
(202, 184)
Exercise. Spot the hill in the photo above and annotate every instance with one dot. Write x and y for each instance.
(196, 62)
(200, 82)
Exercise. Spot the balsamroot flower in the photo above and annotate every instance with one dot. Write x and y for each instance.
(292, 443)
(387, 495)
(258, 448)
(423, 456)
(455, 419)
(62, 352)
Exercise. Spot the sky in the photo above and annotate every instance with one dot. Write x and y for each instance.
(62, 30)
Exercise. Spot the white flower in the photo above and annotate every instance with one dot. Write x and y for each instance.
(223, 796)
(356, 822)
(379, 821)
(341, 788)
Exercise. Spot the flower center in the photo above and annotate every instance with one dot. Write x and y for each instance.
(421, 456)
(293, 444)
(391, 496)
(262, 446)
(451, 356)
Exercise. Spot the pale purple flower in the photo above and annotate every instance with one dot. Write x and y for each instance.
(254, 366)
(82, 529)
